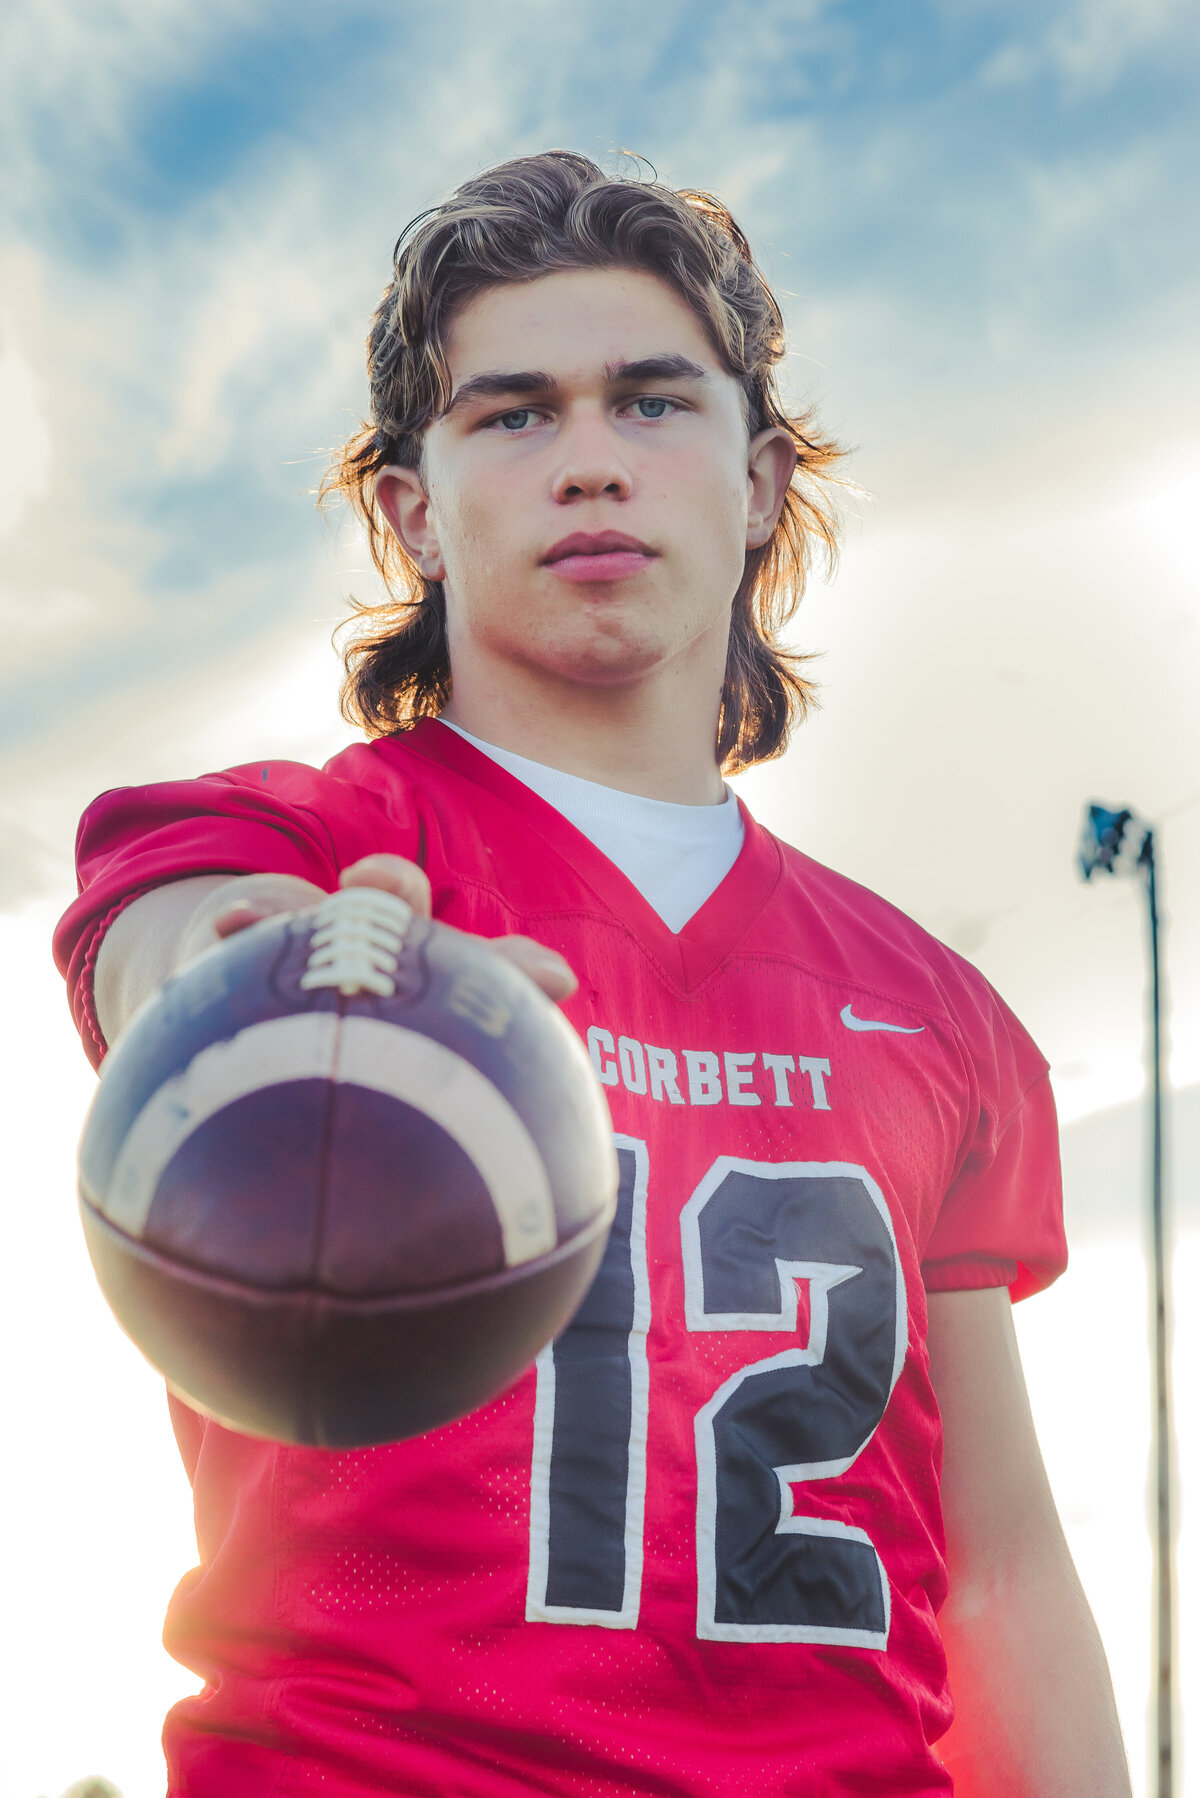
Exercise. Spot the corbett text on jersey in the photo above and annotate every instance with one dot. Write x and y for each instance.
(708, 1076)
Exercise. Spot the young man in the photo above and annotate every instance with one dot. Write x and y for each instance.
(705, 1546)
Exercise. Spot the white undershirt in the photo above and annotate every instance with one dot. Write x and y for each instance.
(675, 855)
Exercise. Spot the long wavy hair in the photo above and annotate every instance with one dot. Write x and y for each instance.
(532, 216)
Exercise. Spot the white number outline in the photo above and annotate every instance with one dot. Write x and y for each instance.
(537, 1608)
(824, 1277)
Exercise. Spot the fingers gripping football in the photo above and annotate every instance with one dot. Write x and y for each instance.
(545, 967)
(393, 874)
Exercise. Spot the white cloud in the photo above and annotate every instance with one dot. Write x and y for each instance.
(1087, 44)
(1093, 43)
(24, 435)
(84, 68)
(1167, 511)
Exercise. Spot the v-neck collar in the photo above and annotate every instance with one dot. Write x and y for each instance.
(688, 956)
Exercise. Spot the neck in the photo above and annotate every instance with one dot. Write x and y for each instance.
(649, 737)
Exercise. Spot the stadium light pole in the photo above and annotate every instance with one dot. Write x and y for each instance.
(1117, 841)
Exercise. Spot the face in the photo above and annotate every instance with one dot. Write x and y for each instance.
(590, 491)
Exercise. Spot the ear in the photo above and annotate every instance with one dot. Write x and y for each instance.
(401, 497)
(771, 466)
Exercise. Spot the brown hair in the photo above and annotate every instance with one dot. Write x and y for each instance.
(534, 216)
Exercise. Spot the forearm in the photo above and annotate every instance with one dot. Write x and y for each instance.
(1034, 1709)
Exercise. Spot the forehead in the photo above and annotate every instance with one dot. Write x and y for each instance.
(574, 322)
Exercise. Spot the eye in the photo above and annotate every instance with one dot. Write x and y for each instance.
(653, 405)
(516, 420)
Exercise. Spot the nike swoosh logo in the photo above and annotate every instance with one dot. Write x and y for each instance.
(852, 1023)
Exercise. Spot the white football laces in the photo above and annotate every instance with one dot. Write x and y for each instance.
(356, 942)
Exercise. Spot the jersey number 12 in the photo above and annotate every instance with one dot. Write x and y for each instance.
(750, 1231)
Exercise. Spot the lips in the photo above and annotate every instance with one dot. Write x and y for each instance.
(598, 556)
(599, 543)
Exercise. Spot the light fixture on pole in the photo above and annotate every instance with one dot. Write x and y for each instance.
(1117, 841)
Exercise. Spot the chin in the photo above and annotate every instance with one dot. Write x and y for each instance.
(603, 663)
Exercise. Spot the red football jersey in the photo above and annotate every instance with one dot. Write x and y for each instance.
(698, 1549)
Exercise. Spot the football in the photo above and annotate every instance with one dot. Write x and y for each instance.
(345, 1175)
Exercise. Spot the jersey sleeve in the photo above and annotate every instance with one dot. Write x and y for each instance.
(1001, 1220)
(276, 818)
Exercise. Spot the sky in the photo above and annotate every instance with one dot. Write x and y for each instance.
(980, 219)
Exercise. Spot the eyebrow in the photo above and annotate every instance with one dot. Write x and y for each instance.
(494, 382)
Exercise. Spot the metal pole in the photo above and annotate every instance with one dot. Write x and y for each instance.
(1163, 1564)
(1101, 850)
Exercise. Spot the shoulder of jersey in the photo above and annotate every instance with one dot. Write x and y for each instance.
(882, 945)
(384, 764)
(352, 783)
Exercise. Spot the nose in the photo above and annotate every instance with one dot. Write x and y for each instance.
(591, 460)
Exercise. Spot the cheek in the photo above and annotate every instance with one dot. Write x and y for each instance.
(474, 529)
(709, 477)
(713, 502)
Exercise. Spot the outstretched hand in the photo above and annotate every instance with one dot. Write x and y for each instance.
(392, 874)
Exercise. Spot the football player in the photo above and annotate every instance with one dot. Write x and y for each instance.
(770, 1516)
